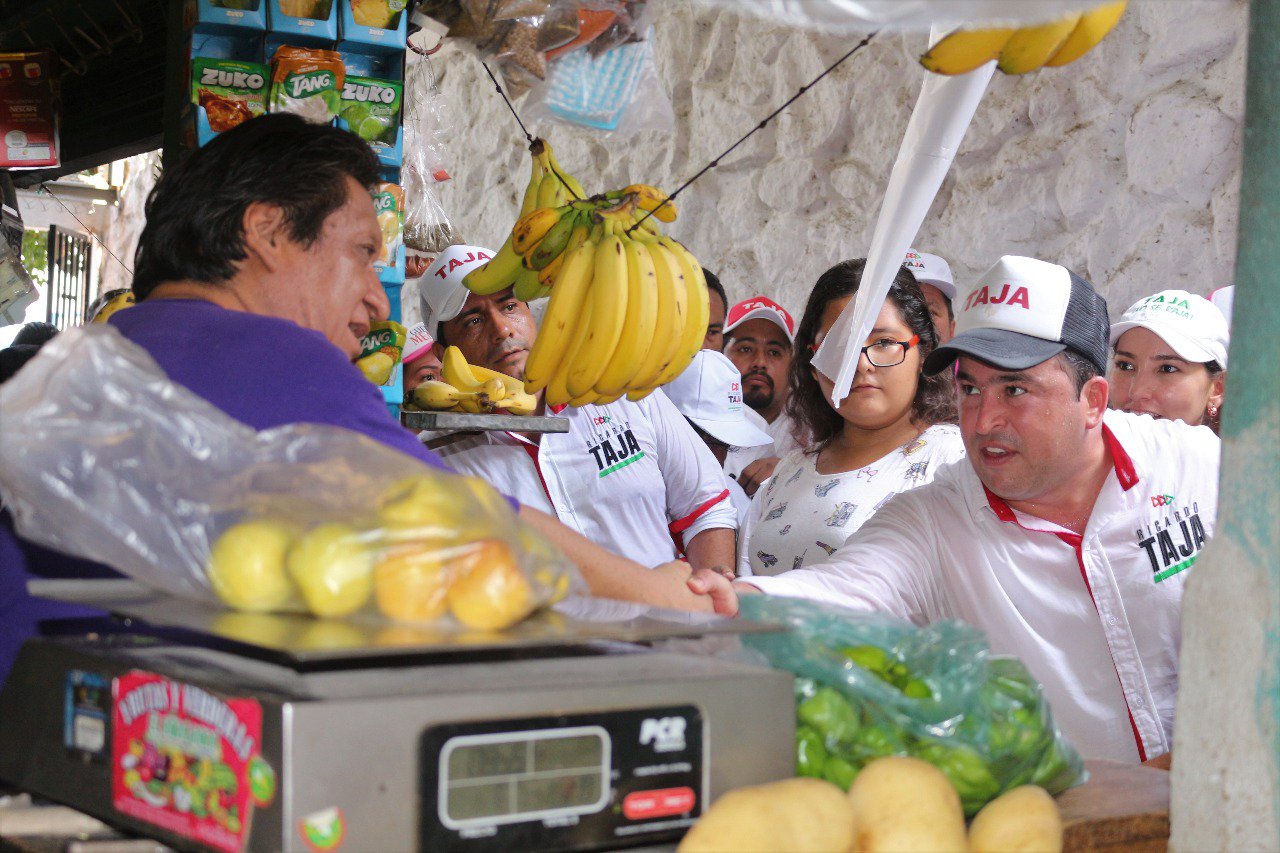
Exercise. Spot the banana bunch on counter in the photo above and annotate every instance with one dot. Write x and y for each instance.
(473, 389)
(1020, 51)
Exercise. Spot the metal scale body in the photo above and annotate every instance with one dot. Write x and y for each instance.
(564, 734)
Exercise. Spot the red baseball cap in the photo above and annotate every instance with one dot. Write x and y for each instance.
(760, 308)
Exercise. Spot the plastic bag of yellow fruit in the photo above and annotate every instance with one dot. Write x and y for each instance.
(112, 461)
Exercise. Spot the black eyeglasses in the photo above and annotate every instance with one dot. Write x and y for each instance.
(885, 353)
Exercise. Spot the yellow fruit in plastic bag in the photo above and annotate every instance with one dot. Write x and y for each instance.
(411, 584)
(333, 570)
(791, 815)
(489, 592)
(246, 566)
(424, 505)
(371, 13)
(1023, 820)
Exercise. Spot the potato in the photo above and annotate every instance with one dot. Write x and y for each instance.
(1024, 820)
(791, 816)
(906, 805)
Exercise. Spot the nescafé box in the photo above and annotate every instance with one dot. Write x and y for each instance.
(28, 111)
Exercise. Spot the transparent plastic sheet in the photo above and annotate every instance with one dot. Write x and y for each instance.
(107, 459)
(428, 126)
(616, 93)
(869, 685)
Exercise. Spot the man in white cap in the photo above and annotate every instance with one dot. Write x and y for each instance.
(758, 335)
(933, 274)
(631, 477)
(421, 360)
(1170, 358)
(709, 395)
(1067, 532)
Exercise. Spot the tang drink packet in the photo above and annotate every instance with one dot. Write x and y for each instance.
(388, 202)
(307, 82)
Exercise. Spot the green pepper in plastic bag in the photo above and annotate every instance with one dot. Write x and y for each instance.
(967, 771)
(829, 714)
(811, 755)
(871, 658)
(839, 772)
(878, 740)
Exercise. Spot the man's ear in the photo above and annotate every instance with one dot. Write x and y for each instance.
(1094, 396)
(265, 236)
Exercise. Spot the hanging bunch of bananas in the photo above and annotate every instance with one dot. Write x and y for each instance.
(628, 310)
(1020, 51)
(470, 388)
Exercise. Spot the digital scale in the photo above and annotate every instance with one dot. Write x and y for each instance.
(210, 730)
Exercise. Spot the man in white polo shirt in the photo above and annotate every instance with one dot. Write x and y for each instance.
(933, 274)
(631, 477)
(1066, 534)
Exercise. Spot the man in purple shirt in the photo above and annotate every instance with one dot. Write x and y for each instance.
(255, 282)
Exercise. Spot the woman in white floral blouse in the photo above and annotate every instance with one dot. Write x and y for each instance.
(889, 435)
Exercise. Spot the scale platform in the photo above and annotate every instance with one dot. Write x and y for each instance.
(287, 733)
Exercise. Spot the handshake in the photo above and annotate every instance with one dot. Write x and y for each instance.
(711, 589)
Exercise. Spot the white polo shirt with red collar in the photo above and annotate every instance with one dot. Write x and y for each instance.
(632, 477)
(1096, 618)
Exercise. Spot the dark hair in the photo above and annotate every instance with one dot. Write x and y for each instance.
(935, 397)
(714, 285)
(13, 358)
(195, 213)
(35, 334)
(1079, 367)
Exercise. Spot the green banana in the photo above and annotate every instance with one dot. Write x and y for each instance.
(553, 243)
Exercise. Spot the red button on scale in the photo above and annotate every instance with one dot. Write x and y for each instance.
(664, 802)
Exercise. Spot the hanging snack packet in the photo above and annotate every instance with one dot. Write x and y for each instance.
(227, 93)
(388, 203)
(307, 82)
(380, 351)
(370, 108)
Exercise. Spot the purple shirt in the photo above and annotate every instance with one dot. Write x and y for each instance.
(263, 371)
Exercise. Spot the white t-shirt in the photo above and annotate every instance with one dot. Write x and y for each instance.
(629, 476)
(1096, 618)
(780, 430)
(800, 517)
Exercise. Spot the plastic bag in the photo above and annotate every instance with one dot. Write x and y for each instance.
(615, 92)
(870, 685)
(109, 460)
(427, 129)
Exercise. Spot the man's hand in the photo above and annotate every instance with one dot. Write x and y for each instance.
(756, 473)
(718, 588)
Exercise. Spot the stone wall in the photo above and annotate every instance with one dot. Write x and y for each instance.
(1124, 166)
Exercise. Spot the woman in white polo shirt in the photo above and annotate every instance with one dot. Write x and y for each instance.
(890, 435)
(1169, 359)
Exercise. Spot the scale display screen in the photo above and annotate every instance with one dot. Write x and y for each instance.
(522, 776)
(588, 781)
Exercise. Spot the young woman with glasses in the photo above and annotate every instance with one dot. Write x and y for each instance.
(890, 434)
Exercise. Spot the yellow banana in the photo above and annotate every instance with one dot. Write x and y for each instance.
(455, 370)
(496, 274)
(436, 395)
(652, 198)
(550, 191)
(608, 296)
(638, 329)
(699, 311)
(529, 229)
(1031, 47)
(963, 51)
(1093, 28)
(672, 306)
(514, 386)
(606, 399)
(585, 399)
(558, 388)
(538, 157)
(553, 243)
(476, 404)
(495, 389)
(568, 296)
(639, 394)
(520, 404)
